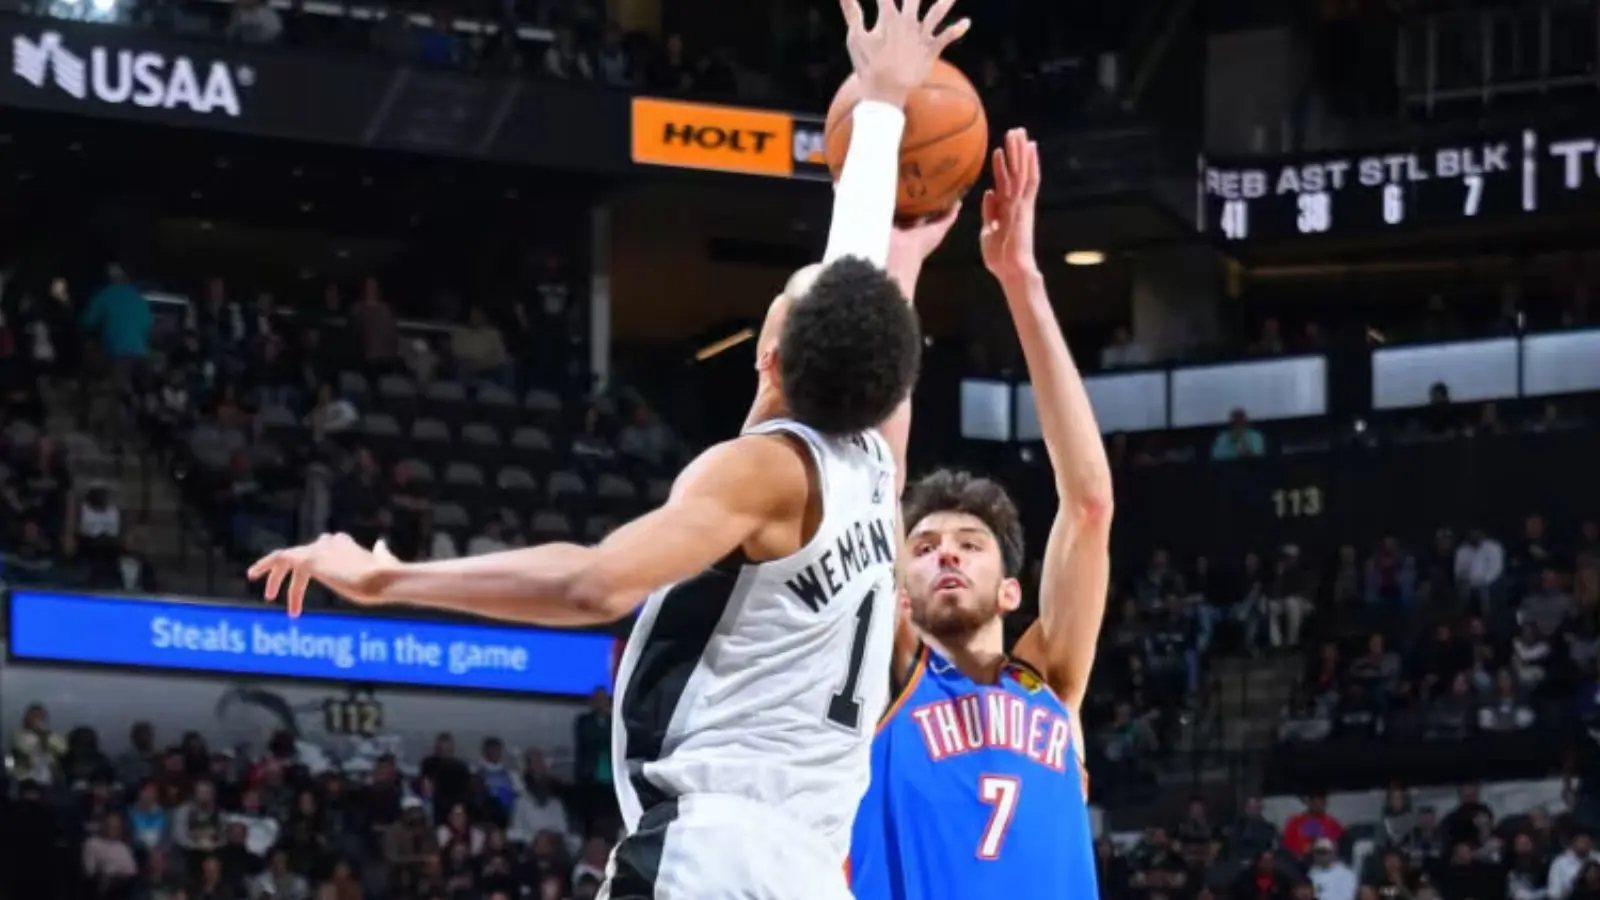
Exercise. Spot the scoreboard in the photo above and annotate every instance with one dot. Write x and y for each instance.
(1500, 178)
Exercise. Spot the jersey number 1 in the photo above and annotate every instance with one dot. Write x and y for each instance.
(1000, 793)
(844, 708)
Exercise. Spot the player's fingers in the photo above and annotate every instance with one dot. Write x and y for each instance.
(955, 32)
(1002, 176)
(381, 550)
(282, 562)
(987, 210)
(1016, 149)
(298, 582)
(1035, 173)
(934, 19)
(261, 566)
(852, 14)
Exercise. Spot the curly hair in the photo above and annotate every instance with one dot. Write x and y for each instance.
(849, 350)
(947, 490)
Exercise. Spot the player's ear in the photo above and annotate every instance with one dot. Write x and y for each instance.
(1010, 595)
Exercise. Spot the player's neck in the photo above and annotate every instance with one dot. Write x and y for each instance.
(979, 655)
(768, 404)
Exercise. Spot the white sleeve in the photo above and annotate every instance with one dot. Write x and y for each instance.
(863, 201)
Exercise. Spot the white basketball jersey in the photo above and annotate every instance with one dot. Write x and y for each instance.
(766, 680)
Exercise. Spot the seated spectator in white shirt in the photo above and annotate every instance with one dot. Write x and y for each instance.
(1123, 352)
(108, 859)
(1480, 561)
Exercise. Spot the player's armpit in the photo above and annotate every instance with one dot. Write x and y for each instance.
(723, 499)
(1074, 577)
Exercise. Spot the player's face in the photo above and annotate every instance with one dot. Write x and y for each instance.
(955, 576)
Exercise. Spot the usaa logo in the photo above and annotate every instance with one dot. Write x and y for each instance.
(1027, 678)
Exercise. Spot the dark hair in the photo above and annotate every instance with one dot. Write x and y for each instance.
(849, 350)
(961, 492)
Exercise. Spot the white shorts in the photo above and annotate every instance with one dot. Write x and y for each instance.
(722, 847)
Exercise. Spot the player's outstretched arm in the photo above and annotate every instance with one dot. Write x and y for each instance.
(723, 499)
(1076, 567)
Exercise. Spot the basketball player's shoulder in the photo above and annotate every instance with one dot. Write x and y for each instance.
(770, 468)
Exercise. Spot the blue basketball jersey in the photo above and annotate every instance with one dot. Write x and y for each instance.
(977, 791)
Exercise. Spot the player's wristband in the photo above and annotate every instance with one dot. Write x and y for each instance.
(863, 201)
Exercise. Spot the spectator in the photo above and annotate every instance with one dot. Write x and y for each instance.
(99, 529)
(1238, 440)
(376, 330)
(148, 819)
(37, 749)
(540, 806)
(1332, 878)
(1304, 828)
(1288, 600)
(1528, 872)
(254, 22)
(614, 64)
(648, 440)
(1564, 868)
(108, 860)
(1480, 561)
(458, 829)
(409, 843)
(197, 825)
(1505, 711)
(342, 884)
(1450, 716)
(479, 351)
(1251, 834)
(212, 885)
(1548, 608)
(1391, 575)
(565, 60)
(278, 881)
(448, 774)
(592, 766)
(1123, 352)
(119, 317)
(1530, 655)
(492, 540)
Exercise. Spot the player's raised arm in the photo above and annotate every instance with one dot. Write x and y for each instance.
(720, 503)
(1077, 566)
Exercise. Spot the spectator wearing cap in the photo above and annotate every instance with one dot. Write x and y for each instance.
(1304, 828)
(1332, 878)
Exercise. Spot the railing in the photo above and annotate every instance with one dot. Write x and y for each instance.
(1482, 54)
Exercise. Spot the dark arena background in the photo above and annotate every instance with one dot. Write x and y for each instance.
(477, 274)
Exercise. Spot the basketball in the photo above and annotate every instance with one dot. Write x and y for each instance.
(945, 146)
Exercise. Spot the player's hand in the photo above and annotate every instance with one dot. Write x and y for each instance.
(1008, 209)
(916, 241)
(334, 560)
(897, 53)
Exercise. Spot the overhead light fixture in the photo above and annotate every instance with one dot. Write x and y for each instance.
(727, 343)
(1085, 258)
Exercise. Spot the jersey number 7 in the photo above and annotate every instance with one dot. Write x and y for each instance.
(1000, 792)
